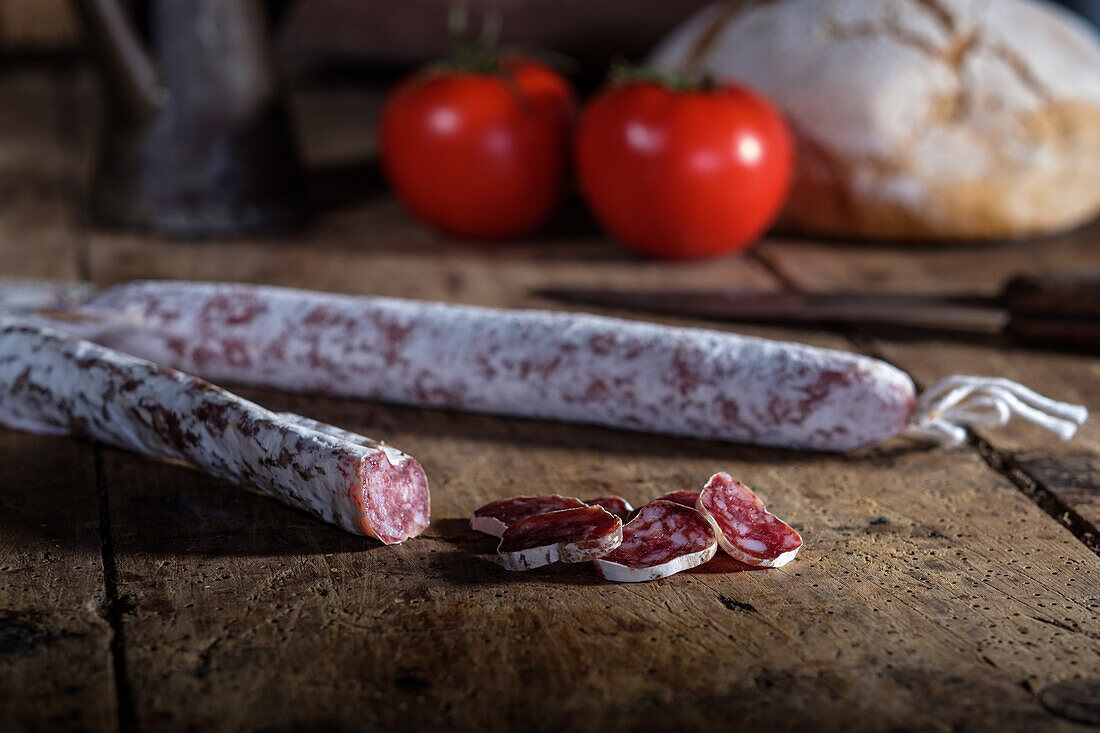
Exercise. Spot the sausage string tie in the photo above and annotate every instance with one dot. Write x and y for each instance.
(949, 407)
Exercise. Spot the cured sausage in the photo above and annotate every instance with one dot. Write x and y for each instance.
(495, 517)
(568, 535)
(687, 498)
(616, 505)
(527, 363)
(52, 383)
(745, 529)
(664, 539)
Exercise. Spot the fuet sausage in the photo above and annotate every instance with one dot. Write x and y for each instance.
(537, 364)
(52, 383)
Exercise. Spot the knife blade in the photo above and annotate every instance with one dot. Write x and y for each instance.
(26, 294)
(979, 312)
(1060, 309)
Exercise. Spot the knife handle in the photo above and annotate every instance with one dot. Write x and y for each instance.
(1060, 311)
(1066, 295)
(1067, 334)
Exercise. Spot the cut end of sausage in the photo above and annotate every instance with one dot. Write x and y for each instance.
(745, 528)
(664, 539)
(568, 535)
(495, 517)
(394, 496)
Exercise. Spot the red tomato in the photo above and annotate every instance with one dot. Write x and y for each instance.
(684, 173)
(479, 154)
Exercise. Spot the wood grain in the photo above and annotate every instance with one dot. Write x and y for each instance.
(37, 171)
(55, 661)
(931, 595)
(56, 665)
(37, 26)
(906, 546)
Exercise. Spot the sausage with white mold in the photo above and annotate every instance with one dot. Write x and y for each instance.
(572, 367)
(52, 383)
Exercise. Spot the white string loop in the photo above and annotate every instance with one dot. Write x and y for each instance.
(949, 407)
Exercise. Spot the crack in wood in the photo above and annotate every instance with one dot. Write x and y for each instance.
(1071, 628)
(115, 605)
(1043, 497)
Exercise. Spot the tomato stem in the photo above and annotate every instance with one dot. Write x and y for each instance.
(473, 57)
(678, 81)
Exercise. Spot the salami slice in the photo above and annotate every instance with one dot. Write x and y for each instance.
(495, 517)
(559, 366)
(568, 535)
(662, 540)
(746, 530)
(51, 383)
(616, 505)
(687, 498)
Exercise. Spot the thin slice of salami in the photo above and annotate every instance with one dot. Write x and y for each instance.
(746, 530)
(687, 498)
(495, 517)
(568, 535)
(616, 505)
(664, 539)
(574, 367)
(52, 383)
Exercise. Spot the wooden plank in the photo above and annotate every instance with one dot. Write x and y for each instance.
(55, 661)
(37, 167)
(930, 595)
(978, 267)
(56, 669)
(37, 26)
(1069, 471)
(375, 248)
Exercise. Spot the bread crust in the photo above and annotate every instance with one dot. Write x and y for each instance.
(919, 119)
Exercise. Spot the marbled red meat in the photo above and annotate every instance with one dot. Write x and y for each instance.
(746, 530)
(665, 538)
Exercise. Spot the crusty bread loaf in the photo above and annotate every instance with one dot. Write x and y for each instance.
(939, 119)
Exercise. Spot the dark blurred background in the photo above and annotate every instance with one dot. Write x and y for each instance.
(351, 34)
(336, 58)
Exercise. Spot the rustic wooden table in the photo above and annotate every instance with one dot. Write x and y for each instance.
(939, 589)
